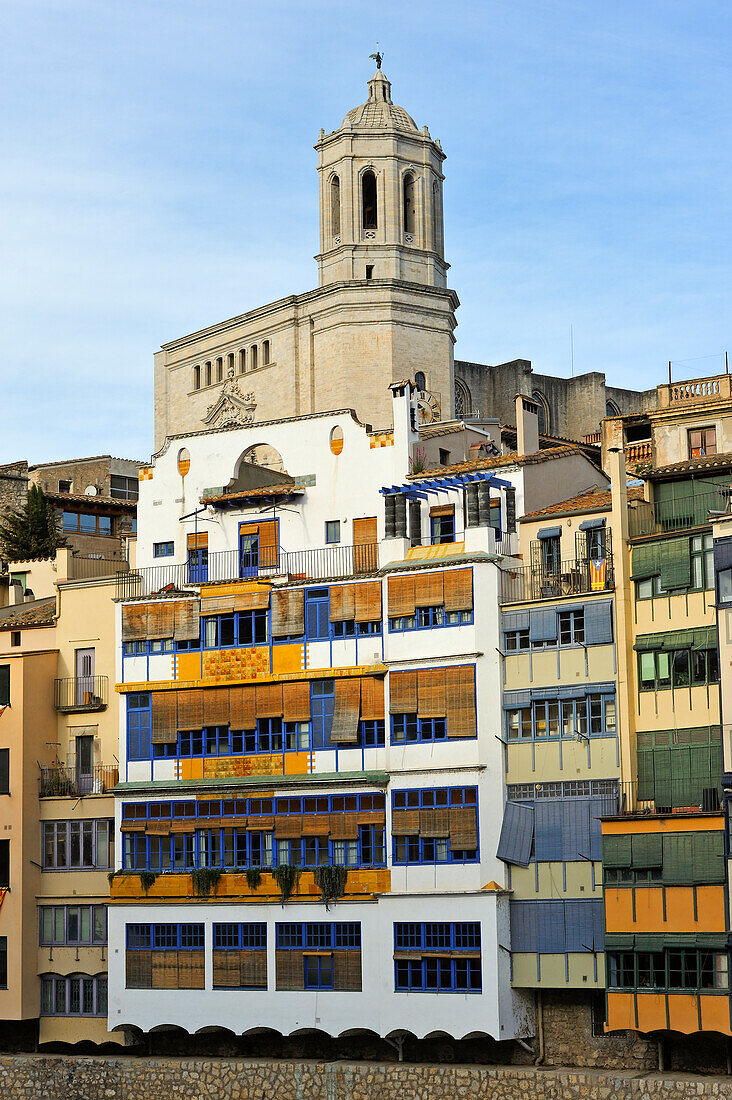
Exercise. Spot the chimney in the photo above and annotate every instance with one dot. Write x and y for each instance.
(527, 425)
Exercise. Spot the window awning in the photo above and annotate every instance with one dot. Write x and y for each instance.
(592, 524)
(549, 533)
(420, 490)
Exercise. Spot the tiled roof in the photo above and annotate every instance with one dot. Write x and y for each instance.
(82, 498)
(447, 427)
(591, 500)
(510, 429)
(281, 490)
(711, 463)
(39, 613)
(497, 461)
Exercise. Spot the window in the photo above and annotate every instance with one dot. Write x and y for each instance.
(207, 373)
(409, 197)
(463, 400)
(72, 924)
(317, 604)
(702, 442)
(409, 728)
(515, 640)
(335, 207)
(139, 722)
(78, 995)
(420, 381)
(240, 956)
(15, 637)
(592, 715)
(551, 554)
(88, 524)
(265, 353)
(571, 627)
(4, 771)
(704, 970)
(241, 628)
(163, 549)
(702, 561)
(242, 360)
(332, 531)
(542, 412)
(368, 200)
(72, 845)
(444, 457)
(253, 357)
(724, 585)
(197, 378)
(436, 957)
(4, 863)
(661, 669)
(448, 825)
(318, 956)
(219, 369)
(648, 588)
(427, 618)
(125, 488)
(442, 524)
(64, 486)
(165, 956)
(369, 271)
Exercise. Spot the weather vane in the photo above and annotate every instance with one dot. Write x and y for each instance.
(378, 57)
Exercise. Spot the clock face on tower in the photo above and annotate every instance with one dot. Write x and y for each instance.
(428, 405)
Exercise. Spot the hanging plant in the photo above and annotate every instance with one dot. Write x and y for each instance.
(253, 877)
(205, 880)
(286, 878)
(113, 875)
(331, 881)
(147, 878)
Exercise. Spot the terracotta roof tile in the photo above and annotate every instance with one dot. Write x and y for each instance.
(40, 613)
(710, 462)
(281, 490)
(498, 461)
(82, 498)
(590, 500)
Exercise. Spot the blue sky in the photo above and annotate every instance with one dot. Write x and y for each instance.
(157, 175)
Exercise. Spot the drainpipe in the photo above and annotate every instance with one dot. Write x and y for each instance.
(539, 1060)
(661, 1059)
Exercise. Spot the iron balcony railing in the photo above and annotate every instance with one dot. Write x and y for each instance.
(666, 516)
(80, 693)
(669, 796)
(58, 780)
(322, 564)
(567, 578)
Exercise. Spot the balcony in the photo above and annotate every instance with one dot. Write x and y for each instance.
(639, 452)
(669, 796)
(323, 564)
(569, 578)
(661, 517)
(697, 391)
(80, 693)
(58, 781)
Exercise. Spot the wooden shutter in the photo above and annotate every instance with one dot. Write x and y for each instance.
(138, 966)
(342, 603)
(458, 584)
(255, 600)
(429, 590)
(460, 698)
(400, 596)
(372, 698)
(431, 702)
(260, 823)
(190, 709)
(296, 701)
(252, 968)
(164, 717)
(442, 510)
(367, 602)
(187, 620)
(289, 969)
(242, 708)
(405, 822)
(346, 969)
(158, 827)
(161, 619)
(134, 622)
(268, 544)
(288, 826)
(197, 541)
(365, 548)
(463, 828)
(344, 827)
(288, 611)
(216, 707)
(316, 825)
(434, 823)
(403, 692)
(346, 710)
(269, 700)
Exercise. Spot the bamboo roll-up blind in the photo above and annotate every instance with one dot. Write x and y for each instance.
(434, 823)
(197, 541)
(242, 708)
(346, 969)
(315, 825)
(288, 826)
(157, 827)
(342, 603)
(190, 970)
(429, 590)
(296, 701)
(164, 728)
(161, 619)
(400, 591)
(220, 605)
(289, 969)
(367, 601)
(256, 600)
(346, 710)
(460, 696)
(431, 702)
(371, 817)
(190, 709)
(252, 969)
(165, 969)
(405, 822)
(442, 510)
(463, 827)
(372, 698)
(138, 969)
(225, 969)
(403, 692)
(288, 611)
(134, 622)
(216, 707)
(260, 823)
(187, 620)
(343, 827)
(458, 590)
(269, 700)
(268, 548)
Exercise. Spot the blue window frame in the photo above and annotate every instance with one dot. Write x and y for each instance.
(139, 721)
(151, 646)
(165, 937)
(198, 566)
(317, 607)
(332, 531)
(410, 728)
(348, 628)
(322, 703)
(163, 549)
(428, 618)
(591, 715)
(419, 971)
(242, 937)
(442, 528)
(423, 849)
(243, 628)
(319, 936)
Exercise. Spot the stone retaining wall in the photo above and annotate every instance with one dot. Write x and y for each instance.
(50, 1077)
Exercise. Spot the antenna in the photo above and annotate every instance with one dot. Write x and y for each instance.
(571, 348)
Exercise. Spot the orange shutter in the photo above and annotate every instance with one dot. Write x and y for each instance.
(197, 541)
(268, 544)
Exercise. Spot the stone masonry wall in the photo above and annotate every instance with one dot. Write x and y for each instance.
(126, 1078)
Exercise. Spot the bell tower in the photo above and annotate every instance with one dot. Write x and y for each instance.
(380, 196)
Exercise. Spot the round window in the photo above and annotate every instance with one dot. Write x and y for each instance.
(184, 461)
(336, 440)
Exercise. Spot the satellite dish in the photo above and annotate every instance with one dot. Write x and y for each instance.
(90, 491)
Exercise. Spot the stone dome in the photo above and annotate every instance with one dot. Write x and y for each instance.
(378, 112)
